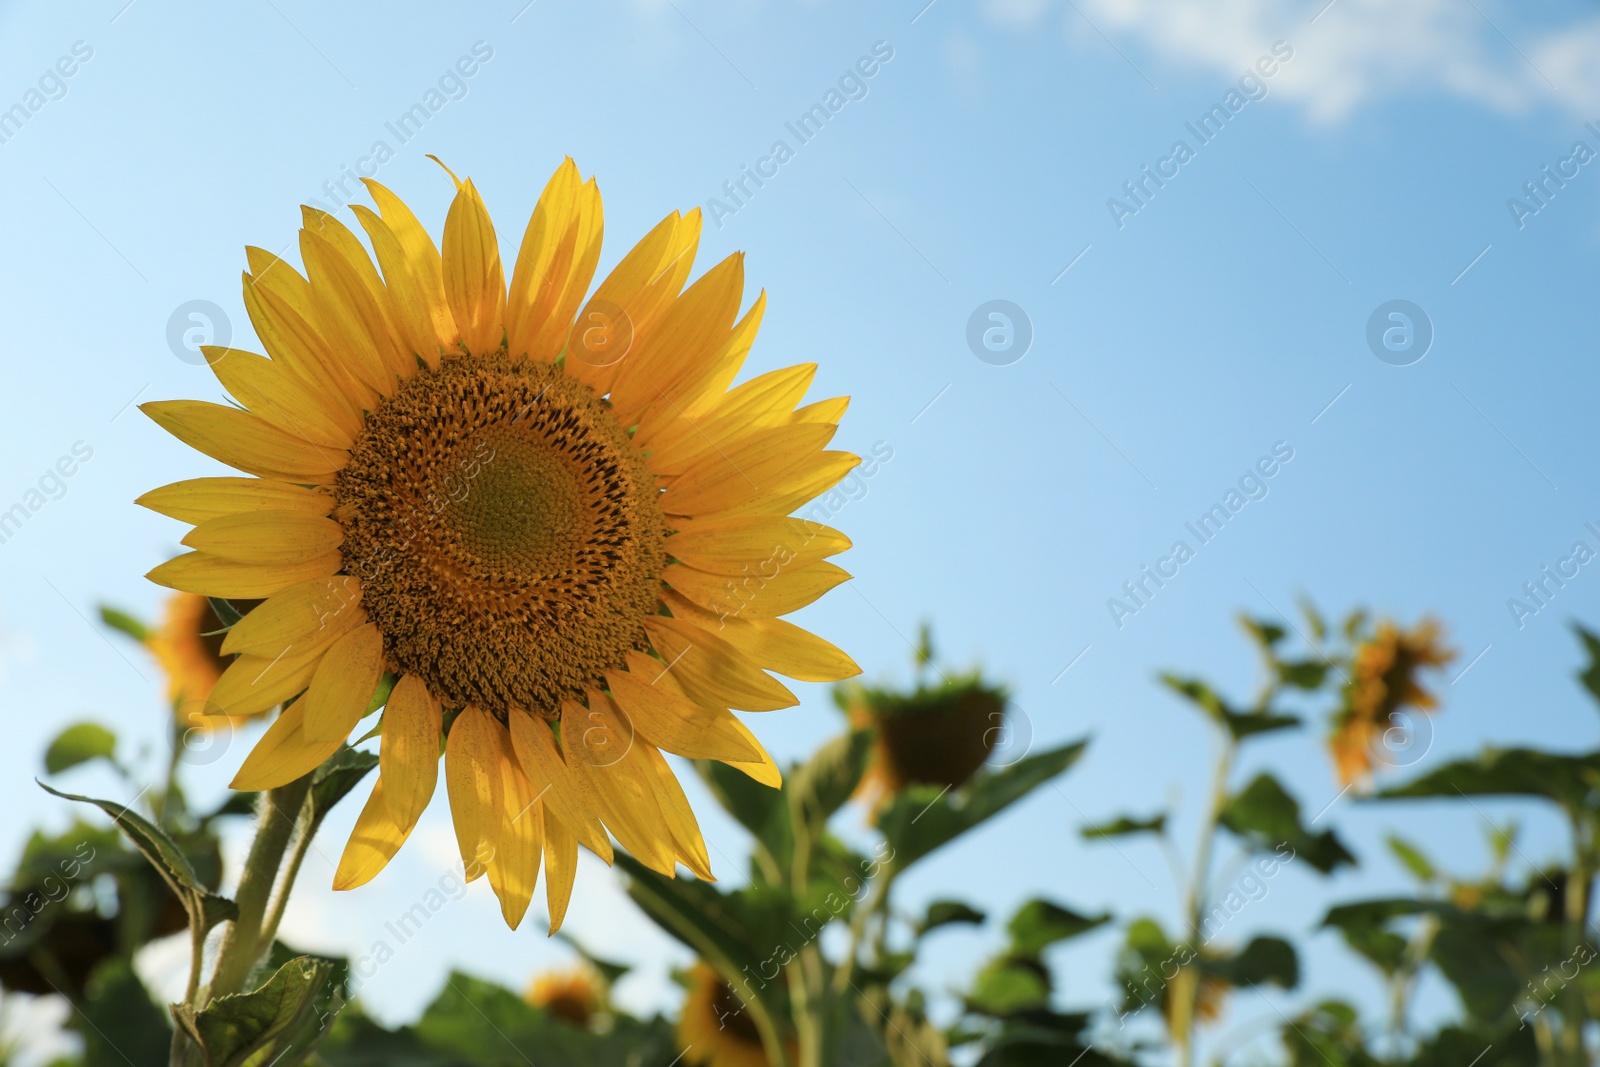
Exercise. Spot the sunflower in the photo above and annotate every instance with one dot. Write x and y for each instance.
(573, 995)
(551, 543)
(1384, 680)
(934, 735)
(714, 1029)
(188, 645)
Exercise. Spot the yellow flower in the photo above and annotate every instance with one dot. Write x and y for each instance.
(560, 532)
(571, 995)
(935, 735)
(1383, 681)
(715, 1029)
(188, 645)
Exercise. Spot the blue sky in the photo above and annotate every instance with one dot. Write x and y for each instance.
(1225, 316)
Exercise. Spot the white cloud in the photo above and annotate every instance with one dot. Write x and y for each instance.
(1356, 52)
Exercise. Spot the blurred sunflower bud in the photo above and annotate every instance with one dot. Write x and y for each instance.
(572, 995)
(932, 735)
(188, 645)
(1384, 681)
(716, 1028)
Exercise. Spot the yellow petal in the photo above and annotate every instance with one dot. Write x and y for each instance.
(764, 770)
(283, 754)
(413, 318)
(791, 489)
(208, 575)
(669, 359)
(514, 871)
(602, 741)
(555, 264)
(346, 315)
(677, 813)
(364, 292)
(343, 685)
(377, 836)
(830, 410)
(560, 867)
(788, 590)
(284, 315)
(199, 499)
(764, 462)
(408, 753)
(542, 762)
(631, 297)
(267, 537)
(712, 671)
(472, 778)
(753, 546)
(245, 441)
(252, 684)
(302, 614)
(772, 644)
(670, 722)
(273, 391)
(426, 267)
(764, 401)
(474, 282)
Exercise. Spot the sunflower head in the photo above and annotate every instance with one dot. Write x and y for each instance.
(1385, 679)
(572, 995)
(715, 1028)
(543, 529)
(932, 735)
(188, 645)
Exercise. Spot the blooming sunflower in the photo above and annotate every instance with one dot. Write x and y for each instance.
(1384, 679)
(714, 1028)
(559, 533)
(572, 995)
(188, 645)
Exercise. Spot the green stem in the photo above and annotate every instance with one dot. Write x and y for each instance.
(280, 899)
(1186, 987)
(277, 816)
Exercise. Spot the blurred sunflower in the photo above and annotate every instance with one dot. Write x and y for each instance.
(560, 533)
(188, 645)
(933, 735)
(714, 1029)
(1384, 680)
(573, 995)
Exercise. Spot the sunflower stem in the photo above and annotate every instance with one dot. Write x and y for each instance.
(277, 816)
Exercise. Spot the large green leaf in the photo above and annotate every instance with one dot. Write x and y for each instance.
(203, 906)
(947, 912)
(79, 743)
(921, 819)
(280, 1020)
(762, 810)
(118, 1021)
(1267, 818)
(1264, 960)
(1039, 923)
(1009, 984)
(1366, 929)
(1571, 781)
(825, 781)
(334, 780)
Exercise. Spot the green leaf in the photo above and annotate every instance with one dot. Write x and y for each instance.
(921, 819)
(1408, 854)
(1308, 674)
(1124, 825)
(947, 912)
(80, 743)
(1263, 960)
(203, 907)
(1267, 818)
(1266, 633)
(1039, 924)
(225, 611)
(1590, 675)
(1251, 723)
(1570, 781)
(1365, 928)
(118, 1021)
(281, 1018)
(825, 781)
(125, 623)
(1008, 985)
(762, 810)
(335, 778)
